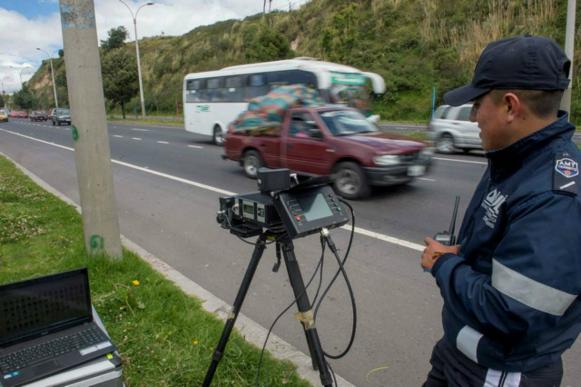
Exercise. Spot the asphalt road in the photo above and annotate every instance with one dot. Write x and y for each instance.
(167, 187)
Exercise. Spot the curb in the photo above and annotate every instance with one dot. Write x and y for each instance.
(249, 329)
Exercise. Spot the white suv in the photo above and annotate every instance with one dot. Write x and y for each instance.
(451, 129)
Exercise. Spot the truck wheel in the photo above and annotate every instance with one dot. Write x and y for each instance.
(349, 181)
(218, 136)
(445, 144)
(251, 162)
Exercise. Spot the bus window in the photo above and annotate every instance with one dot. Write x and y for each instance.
(215, 83)
(216, 91)
(237, 81)
(192, 96)
(235, 89)
(257, 86)
(194, 90)
(290, 77)
(257, 80)
(196, 84)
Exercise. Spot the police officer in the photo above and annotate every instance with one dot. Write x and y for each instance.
(511, 287)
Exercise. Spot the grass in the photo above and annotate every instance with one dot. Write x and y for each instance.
(151, 120)
(417, 135)
(164, 336)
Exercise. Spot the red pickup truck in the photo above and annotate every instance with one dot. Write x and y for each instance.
(331, 140)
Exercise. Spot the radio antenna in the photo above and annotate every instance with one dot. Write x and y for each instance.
(452, 230)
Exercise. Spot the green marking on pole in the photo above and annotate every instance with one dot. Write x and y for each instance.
(75, 132)
(96, 243)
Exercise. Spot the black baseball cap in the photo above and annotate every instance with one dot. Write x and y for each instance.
(521, 63)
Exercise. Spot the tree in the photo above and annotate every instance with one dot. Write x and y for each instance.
(119, 77)
(263, 44)
(61, 53)
(1, 100)
(24, 99)
(116, 38)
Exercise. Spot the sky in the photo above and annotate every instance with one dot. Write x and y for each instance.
(26, 25)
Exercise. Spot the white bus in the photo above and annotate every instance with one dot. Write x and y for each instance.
(213, 99)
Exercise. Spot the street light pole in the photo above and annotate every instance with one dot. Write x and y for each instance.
(569, 45)
(56, 101)
(134, 17)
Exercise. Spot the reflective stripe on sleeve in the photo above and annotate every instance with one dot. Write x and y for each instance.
(530, 292)
(467, 342)
(495, 378)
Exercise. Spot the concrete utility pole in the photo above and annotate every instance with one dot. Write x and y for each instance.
(569, 46)
(56, 100)
(89, 128)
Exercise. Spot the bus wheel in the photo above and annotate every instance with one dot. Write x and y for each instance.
(218, 136)
(251, 162)
(349, 181)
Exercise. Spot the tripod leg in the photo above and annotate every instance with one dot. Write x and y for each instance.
(219, 352)
(304, 306)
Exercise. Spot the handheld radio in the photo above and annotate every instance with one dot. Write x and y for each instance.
(448, 238)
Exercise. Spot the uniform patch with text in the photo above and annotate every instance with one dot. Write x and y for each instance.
(567, 167)
(491, 205)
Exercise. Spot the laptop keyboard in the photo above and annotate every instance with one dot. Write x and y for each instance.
(51, 349)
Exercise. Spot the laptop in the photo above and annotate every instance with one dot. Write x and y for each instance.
(46, 326)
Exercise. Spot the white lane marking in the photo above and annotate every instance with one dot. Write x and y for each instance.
(171, 177)
(358, 230)
(140, 130)
(162, 142)
(385, 238)
(460, 161)
(136, 138)
(195, 146)
(118, 136)
(426, 179)
(39, 140)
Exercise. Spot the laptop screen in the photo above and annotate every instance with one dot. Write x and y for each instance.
(38, 306)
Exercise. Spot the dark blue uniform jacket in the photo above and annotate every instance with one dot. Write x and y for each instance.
(511, 296)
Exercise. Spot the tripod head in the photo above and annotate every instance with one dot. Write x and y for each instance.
(280, 206)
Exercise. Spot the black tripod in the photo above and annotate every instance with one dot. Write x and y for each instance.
(302, 300)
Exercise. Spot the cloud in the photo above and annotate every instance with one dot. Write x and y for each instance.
(21, 35)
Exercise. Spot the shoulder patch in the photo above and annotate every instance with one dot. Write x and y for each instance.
(565, 173)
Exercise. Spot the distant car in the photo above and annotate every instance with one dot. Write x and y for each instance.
(18, 114)
(451, 129)
(38, 116)
(60, 116)
(3, 115)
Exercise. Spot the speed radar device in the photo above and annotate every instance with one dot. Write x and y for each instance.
(281, 211)
(297, 210)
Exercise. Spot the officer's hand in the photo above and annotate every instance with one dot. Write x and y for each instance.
(433, 251)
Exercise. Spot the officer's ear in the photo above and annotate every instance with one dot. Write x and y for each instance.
(513, 105)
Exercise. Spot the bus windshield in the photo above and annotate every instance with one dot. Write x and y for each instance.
(355, 96)
(347, 122)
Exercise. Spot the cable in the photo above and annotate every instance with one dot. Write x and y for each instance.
(347, 282)
(332, 373)
(317, 268)
(320, 272)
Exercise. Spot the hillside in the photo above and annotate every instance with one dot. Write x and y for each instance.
(414, 44)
